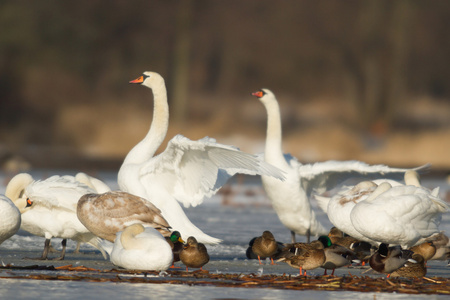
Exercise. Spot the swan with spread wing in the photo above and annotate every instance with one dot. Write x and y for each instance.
(290, 198)
(187, 171)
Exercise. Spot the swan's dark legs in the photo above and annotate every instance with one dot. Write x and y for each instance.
(292, 236)
(63, 251)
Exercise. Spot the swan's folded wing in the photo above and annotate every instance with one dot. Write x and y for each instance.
(192, 170)
(323, 176)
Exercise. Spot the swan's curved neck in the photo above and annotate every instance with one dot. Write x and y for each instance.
(128, 236)
(146, 148)
(273, 152)
(17, 185)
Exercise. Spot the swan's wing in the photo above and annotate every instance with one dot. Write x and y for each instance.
(192, 170)
(92, 182)
(323, 176)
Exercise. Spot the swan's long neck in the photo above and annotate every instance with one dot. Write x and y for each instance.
(127, 237)
(146, 148)
(17, 185)
(273, 151)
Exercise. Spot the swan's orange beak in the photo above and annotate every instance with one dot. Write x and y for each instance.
(258, 94)
(140, 79)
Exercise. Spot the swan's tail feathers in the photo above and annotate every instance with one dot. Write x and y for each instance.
(423, 169)
(101, 245)
(105, 245)
(209, 240)
(322, 202)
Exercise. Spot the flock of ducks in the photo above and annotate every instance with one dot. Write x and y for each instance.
(142, 225)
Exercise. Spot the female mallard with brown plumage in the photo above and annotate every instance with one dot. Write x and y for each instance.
(194, 254)
(265, 246)
(304, 256)
(417, 269)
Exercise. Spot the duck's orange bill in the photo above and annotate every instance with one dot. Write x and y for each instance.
(140, 79)
(258, 94)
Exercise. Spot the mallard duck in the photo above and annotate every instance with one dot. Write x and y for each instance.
(304, 256)
(176, 243)
(361, 249)
(194, 254)
(336, 256)
(108, 213)
(388, 259)
(427, 250)
(265, 246)
(140, 248)
(410, 269)
(442, 244)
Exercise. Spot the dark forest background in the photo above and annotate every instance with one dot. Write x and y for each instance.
(355, 79)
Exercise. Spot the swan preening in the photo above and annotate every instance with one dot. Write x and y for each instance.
(384, 211)
(187, 171)
(291, 198)
(48, 208)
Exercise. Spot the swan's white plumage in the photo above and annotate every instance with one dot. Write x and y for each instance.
(403, 215)
(290, 198)
(140, 248)
(9, 218)
(187, 171)
(53, 209)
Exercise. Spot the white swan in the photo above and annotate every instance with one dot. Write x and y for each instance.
(404, 215)
(340, 206)
(140, 248)
(92, 182)
(48, 209)
(9, 218)
(108, 213)
(187, 171)
(290, 198)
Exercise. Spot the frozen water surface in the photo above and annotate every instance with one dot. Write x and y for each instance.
(235, 216)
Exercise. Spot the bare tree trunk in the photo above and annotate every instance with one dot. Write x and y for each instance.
(400, 42)
(180, 84)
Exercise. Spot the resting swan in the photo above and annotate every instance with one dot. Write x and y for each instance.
(140, 248)
(290, 198)
(9, 218)
(48, 209)
(187, 171)
(404, 215)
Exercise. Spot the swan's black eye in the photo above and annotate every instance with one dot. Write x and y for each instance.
(29, 202)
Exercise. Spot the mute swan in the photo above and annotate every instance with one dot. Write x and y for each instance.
(194, 254)
(403, 215)
(48, 209)
(140, 248)
(9, 218)
(290, 198)
(187, 171)
(106, 214)
(92, 182)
